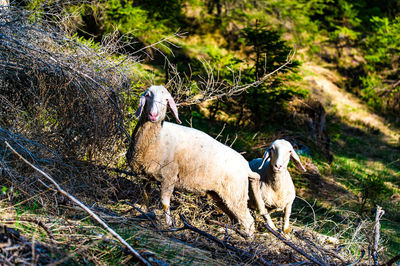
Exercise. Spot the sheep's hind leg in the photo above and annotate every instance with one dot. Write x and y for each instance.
(255, 189)
(236, 214)
(221, 204)
(242, 214)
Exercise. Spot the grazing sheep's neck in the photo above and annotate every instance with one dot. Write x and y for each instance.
(145, 136)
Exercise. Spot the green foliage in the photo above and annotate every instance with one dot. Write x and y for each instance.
(133, 20)
(370, 85)
(268, 52)
(383, 45)
(298, 18)
(382, 50)
(373, 189)
(166, 12)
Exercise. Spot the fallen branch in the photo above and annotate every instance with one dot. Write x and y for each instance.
(392, 260)
(239, 252)
(76, 201)
(293, 246)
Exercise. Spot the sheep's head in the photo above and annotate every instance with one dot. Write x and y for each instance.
(279, 153)
(155, 100)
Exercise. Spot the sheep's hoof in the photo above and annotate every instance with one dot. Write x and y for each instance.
(247, 234)
(286, 230)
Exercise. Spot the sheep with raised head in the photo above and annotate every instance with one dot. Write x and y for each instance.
(183, 157)
(276, 185)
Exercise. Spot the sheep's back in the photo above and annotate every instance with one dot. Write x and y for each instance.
(204, 163)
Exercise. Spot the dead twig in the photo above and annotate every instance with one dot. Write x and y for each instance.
(231, 90)
(358, 260)
(293, 246)
(239, 252)
(321, 248)
(76, 201)
(378, 215)
(152, 220)
(5, 260)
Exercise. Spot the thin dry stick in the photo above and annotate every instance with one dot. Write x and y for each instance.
(238, 89)
(293, 246)
(144, 214)
(311, 207)
(76, 201)
(378, 215)
(358, 260)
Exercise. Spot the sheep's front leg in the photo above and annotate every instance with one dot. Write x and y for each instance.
(286, 225)
(269, 221)
(169, 175)
(167, 188)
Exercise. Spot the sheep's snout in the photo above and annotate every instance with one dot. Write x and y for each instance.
(153, 116)
(277, 167)
(155, 110)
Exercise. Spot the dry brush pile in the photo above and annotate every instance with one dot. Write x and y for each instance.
(64, 106)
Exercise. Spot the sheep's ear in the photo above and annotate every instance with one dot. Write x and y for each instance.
(297, 161)
(174, 110)
(266, 155)
(142, 102)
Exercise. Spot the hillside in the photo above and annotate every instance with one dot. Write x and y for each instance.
(321, 74)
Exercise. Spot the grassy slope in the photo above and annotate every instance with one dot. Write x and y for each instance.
(367, 147)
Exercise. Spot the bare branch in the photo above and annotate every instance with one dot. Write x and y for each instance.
(76, 201)
(215, 89)
(293, 246)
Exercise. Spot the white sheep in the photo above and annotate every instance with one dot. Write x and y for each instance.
(183, 157)
(276, 185)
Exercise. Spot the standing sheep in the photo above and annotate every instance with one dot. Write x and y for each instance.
(276, 185)
(187, 158)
